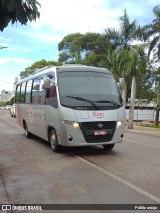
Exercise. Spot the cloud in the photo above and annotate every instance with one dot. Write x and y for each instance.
(15, 60)
(6, 39)
(54, 57)
(44, 37)
(92, 15)
(77, 16)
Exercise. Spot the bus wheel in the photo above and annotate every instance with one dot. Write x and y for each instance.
(27, 133)
(53, 141)
(108, 147)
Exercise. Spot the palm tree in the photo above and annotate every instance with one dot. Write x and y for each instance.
(126, 58)
(151, 34)
(117, 64)
(154, 32)
(137, 67)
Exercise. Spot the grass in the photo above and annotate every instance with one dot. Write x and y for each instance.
(152, 126)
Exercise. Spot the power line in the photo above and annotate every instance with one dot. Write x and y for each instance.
(2, 47)
(6, 82)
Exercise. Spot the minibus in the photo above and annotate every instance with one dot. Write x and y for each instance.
(71, 105)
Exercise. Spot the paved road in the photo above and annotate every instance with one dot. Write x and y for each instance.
(31, 173)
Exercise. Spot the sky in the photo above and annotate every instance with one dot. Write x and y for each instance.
(58, 18)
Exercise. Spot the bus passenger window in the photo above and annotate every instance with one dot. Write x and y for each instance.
(17, 93)
(42, 93)
(28, 92)
(51, 93)
(35, 91)
(22, 94)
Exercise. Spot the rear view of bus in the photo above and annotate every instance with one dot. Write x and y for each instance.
(71, 105)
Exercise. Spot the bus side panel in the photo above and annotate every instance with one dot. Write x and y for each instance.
(39, 126)
(53, 120)
(19, 119)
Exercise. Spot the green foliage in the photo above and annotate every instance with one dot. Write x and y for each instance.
(11, 101)
(89, 49)
(69, 48)
(37, 65)
(18, 11)
(2, 103)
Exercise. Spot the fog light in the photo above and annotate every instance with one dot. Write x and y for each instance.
(119, 123)
(76, 125)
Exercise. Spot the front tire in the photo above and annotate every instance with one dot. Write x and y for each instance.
(27, 133)
(108, 147)
(53, 141)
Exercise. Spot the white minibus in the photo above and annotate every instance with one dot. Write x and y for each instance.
(71, 105)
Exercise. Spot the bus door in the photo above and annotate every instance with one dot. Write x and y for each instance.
(39, 109)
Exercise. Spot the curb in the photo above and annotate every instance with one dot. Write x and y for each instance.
(143, 129)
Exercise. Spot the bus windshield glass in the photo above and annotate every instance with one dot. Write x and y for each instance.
(88, 90)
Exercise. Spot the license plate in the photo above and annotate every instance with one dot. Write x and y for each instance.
(101, 132)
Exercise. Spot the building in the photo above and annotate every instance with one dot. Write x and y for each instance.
(6, 95)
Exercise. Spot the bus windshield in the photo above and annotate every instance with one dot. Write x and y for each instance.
(88, 90)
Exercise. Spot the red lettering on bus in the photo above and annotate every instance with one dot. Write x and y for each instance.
(98, 114)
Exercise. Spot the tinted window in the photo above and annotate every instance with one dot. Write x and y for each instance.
(42, 93)
(98, 88)
(35, 91)
(22, 95)
(87, 83)
(17, 93)
(28, 92)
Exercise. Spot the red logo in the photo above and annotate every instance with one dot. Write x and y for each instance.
(98, 114)
(30, 113)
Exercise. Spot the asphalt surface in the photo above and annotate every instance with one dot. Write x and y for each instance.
(30, 173)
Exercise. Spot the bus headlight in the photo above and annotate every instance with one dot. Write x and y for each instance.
(119, 123)
(71, 123)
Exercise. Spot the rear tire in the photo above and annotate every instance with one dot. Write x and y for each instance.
(27, 133)
(108, 147)
(53, 141)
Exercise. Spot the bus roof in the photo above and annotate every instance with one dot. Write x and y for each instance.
(79, 67)
(64, 68)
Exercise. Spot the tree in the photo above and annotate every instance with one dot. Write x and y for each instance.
(151, 34)
(35, 66)
(121, 43)
(154, 33)
(127, 35)
(70, 48)
(118, 64)
(88, 49)
(156, 76)
(18, 11)
(137, 64)
(126, 59)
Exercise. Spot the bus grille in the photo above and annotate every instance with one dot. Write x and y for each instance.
(88, 129)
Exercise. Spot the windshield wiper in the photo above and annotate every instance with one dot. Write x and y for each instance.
(82, 99)
(111, 102)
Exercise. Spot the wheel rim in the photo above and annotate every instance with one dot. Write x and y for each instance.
(26, 130)
(53, 141)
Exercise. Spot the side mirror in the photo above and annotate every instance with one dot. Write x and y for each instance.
(48, 83)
